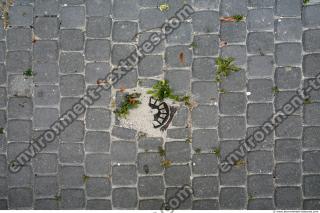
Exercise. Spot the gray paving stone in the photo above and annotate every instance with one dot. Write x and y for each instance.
(151, 66)
(310, 137)
(71, 176)
(145, 36)
(200, 23)
(72, 2)
(258, 113)
(3, 74)
(19, 39)
(204, 139)
(23, 178)
(183, 35)
(205, 204)
(96, 141)
(45, 163)
(261, 204)
(98, 7)
(310, 114)
(287, 150)
(260, 185)
(261, 90)
(232, 103)
(128, 81)
(131, 200)
(46, 27)
(45, 51)
(203, 68)
(235, 177)
(126, 9)
(95, 71)
(238, 52)
(45, 7)
(227, 146)
(3, 165)
(310, 161)
(288, 173)
(205, 116)
(260, 42)
(204, 164)
(124, 31)
(71, 40)
(290, 128)
(46, 73)
(3, 118)
(235, 82)
(124, 175)
(123, 151)
(20, 16)
(288, 78)
(2, 51)
(98, 204)
(310, 64)
(287, 197)
(233, 7)
(97, 49)
(44, 117)
(71, 85)
(314, 94)
(20, 86)
(150, 18)
(260, 66)
(3, 96)
(310, 38)
(288, 29)
(233, 31)
(98, 27)
(150, 160)
(200, 94)
(46, 204)
(98, 164)
(260, 19)
(288, 8)
(232, 198)
(13, 150)
(20, 198)
(46, 95)
(173, 56)
(105, 97)
(205, 187)
(73, 17)
(311, 204)
(232, 127)
(206, 4)
(18, 61)
(71, 153)
(309, 19)
(72, 199)
(261, 3)
(151, 186)
(74, 132)
(172, 192)
(171, 179)
(150, 204)
(98, 187)
(19, 130)
(123, 133)
(122, 51)
(181, 117)
(71, 62)
(45, 186)
(178, 80)
(266, 144)
(282, 98)
(178, 152)
(178, 133)
(288, 54)
(311, 185)
(150, 143)
(51, 147)
(260, 162)
(4, 187)
(206, 45)
(175, 6)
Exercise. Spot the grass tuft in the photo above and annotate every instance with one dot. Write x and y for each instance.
(162, 90)
(130, 102)
(225, 66)
(306, 1)
(238, 18)
(217, 152)
(28, 72)
(164, 7)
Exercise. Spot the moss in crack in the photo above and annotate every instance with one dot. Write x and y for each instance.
(161, 151)
(198, 150)
(166, 163)
(193, 45)
(1, 130)
(307, 101)
(275, 90)
(217, 152)
(28, 73)
(85, 178)
(130, 102)
(225, 66)
(306, 2)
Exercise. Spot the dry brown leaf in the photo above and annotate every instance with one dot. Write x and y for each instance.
(181, 58)
(228, 19)
(122, 89)
(222, 44)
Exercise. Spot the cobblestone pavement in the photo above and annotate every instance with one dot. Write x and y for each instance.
(96, 164)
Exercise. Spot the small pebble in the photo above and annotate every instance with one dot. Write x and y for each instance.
(248, 93)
